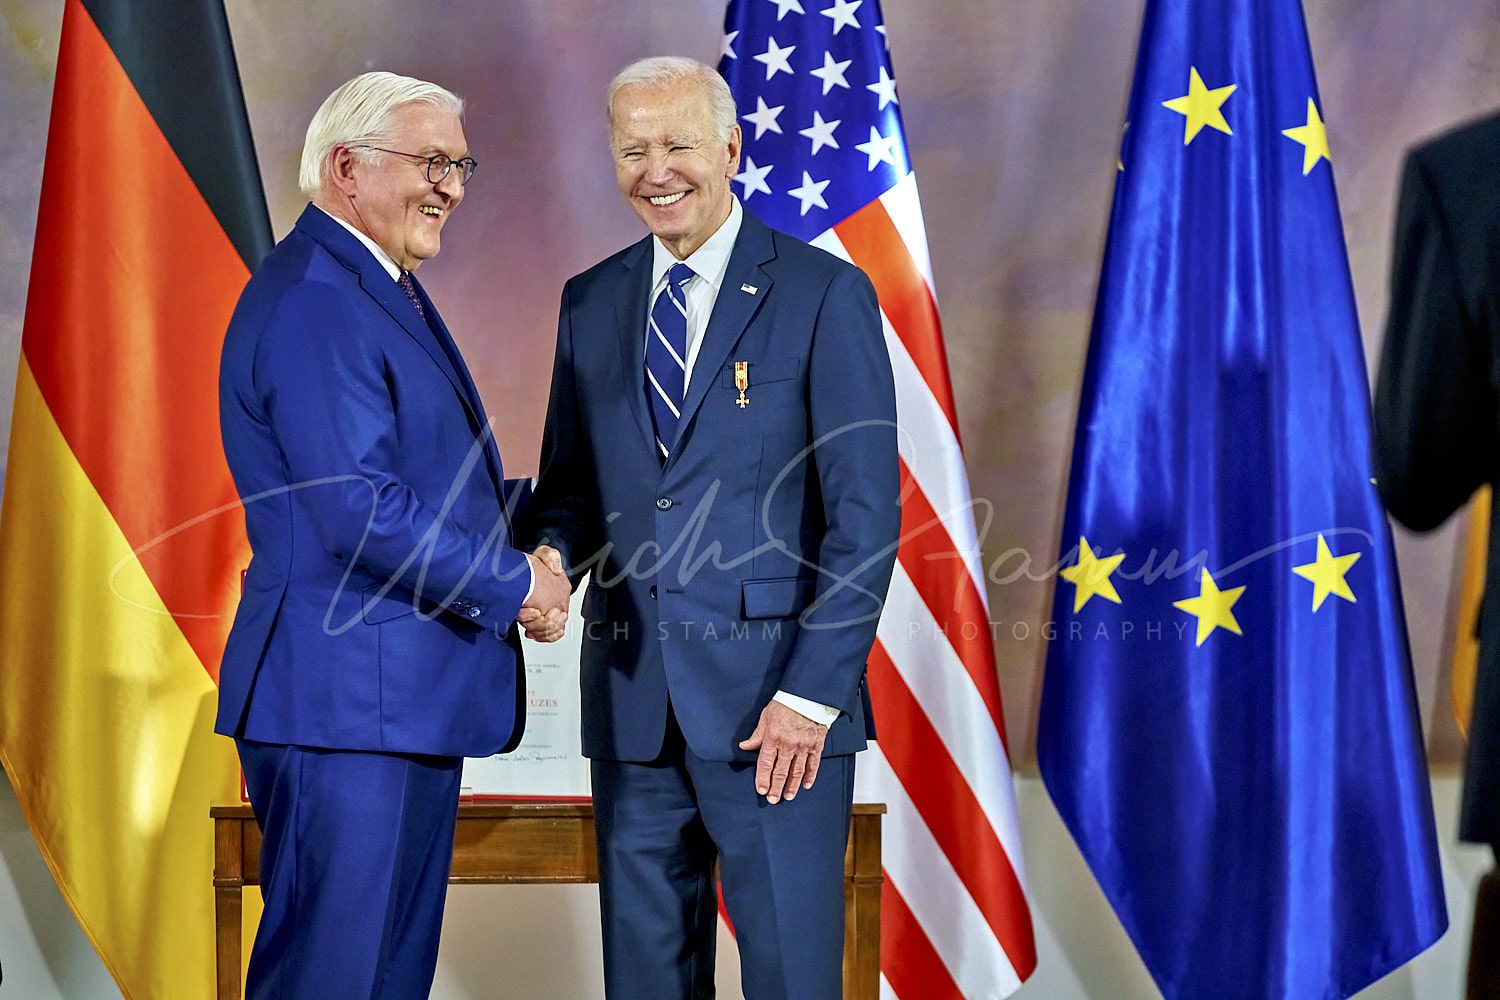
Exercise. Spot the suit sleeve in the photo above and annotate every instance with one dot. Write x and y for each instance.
(852, 414)
(330, 399)
(562, 512)
(1434, 404)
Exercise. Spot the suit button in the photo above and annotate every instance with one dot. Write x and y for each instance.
(663, 503)
(653, 591)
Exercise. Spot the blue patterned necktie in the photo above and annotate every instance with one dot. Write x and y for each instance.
(666, 357)
(410, 291)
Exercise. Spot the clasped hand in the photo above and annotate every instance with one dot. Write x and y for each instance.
(544, 616)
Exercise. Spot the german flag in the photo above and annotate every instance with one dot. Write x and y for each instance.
(122, 538)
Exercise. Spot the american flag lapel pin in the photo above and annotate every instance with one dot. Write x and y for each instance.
(749, 289)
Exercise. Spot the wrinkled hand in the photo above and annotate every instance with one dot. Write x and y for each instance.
(791, 747)
(544, 616)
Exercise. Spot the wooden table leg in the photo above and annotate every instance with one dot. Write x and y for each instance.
(227, 915)
(862, 911)
(229, 887)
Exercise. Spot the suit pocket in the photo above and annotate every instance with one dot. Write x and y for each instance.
(376, 608)
(761, 372)
(781, 598)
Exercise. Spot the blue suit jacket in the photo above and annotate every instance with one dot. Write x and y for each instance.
(378, 606)
(757, 558)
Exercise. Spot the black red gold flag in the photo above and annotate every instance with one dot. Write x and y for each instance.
(121, 536)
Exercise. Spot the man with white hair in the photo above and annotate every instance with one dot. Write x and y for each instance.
(720, 450)
(375, 643)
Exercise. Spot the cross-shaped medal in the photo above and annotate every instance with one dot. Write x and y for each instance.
(742, 382)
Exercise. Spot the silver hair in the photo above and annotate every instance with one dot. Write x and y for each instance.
(659, 70)
(359, 112)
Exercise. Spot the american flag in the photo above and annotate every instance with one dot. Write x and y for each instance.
(825, 159)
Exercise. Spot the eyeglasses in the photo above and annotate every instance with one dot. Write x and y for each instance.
(437, 166)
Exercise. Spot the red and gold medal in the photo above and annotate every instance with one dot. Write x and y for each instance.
(742, 381)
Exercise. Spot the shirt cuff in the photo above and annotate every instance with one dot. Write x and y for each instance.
(531, 587)
(821, 714)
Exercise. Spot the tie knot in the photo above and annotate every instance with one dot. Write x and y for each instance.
(680, 274)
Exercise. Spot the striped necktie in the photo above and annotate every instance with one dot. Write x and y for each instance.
(666, 357)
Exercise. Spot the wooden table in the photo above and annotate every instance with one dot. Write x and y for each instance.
(531, 842)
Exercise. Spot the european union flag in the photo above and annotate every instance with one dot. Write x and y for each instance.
(1228, 722)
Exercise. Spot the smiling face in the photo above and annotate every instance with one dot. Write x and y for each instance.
(389, 198)
(672, 165)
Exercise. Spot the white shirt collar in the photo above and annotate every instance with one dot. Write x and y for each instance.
(709, 261)
(380, 255)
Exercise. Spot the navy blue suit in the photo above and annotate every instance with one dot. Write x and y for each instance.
(377, 614)
(755, 559)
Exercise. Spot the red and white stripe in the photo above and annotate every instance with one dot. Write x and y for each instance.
(954, 916)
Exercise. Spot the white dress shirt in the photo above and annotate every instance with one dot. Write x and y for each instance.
(371, 245)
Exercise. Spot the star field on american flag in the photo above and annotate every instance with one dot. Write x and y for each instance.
(824, 137)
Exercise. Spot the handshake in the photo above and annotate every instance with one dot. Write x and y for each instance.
(545, 613)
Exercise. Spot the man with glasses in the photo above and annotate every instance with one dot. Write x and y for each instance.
(375, 643)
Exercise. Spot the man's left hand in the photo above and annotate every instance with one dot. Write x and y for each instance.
(791, 746)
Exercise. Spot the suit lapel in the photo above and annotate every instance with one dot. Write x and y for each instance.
(377, 284)
(733, 310)
(458, 372)
(630, 322)
(432, 337)
(383, 290)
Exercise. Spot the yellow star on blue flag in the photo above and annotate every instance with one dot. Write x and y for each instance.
(1090, 575)
(1201, 107)
(1314, 139)
(1327, 574)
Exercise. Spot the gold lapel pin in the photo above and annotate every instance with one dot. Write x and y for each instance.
(742, 382)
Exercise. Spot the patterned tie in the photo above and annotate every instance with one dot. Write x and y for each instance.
(411, 292)
(666, 356)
